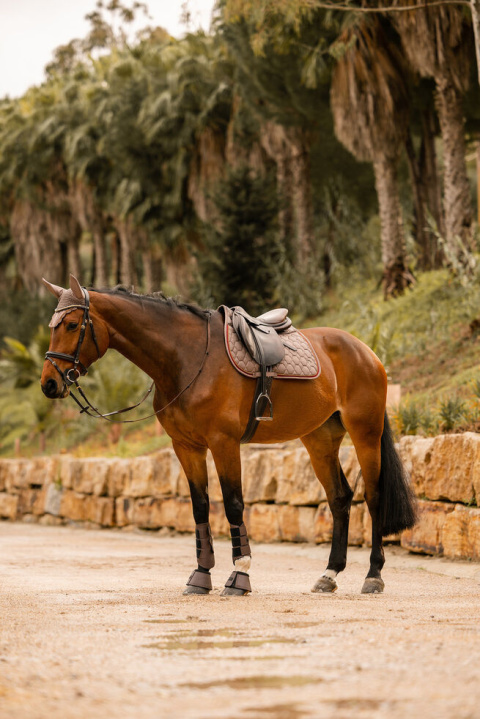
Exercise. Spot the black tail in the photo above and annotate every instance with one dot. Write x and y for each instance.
(397, 508)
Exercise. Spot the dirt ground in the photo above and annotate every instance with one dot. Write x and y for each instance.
(94, 624)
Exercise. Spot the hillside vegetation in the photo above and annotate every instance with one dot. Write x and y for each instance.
(427, 339)
(322, 158)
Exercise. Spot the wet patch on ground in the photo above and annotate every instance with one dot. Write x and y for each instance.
(255, 682)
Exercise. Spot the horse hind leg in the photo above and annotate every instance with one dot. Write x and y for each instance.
(389, 497)
(323, 446)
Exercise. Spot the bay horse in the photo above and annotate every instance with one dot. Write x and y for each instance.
(204, 403)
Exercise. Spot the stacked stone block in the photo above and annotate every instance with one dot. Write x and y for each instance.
(284, 500)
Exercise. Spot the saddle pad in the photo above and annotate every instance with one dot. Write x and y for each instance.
(299, 363)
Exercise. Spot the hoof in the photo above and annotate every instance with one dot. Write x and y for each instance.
(234, 592)
(189, 589)
(373, 585)
(325, 585)
(238, 584)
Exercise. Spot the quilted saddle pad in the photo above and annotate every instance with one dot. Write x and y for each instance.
(300, 361)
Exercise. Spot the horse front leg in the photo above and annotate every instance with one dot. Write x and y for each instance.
(226, 454)
(193, 461)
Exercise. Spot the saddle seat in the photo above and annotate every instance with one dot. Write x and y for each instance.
(260, 335)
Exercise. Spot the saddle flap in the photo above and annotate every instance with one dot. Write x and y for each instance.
(261, 340)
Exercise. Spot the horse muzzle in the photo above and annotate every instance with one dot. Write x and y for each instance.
(51, 389)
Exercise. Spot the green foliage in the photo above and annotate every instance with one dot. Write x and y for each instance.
(242, 251)
(412, 418)
(26, 415)
(476, 387)
(23, 409)
(408, 418)
(452, 413)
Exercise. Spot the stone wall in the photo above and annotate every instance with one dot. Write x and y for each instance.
(284, 500)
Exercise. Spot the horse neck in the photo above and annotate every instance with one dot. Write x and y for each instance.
(157, 337)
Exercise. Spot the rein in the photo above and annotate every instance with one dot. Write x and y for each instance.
(69, 381)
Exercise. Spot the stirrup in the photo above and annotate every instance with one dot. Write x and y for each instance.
(263, 396)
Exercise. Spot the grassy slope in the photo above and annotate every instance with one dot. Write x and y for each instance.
(423, 338)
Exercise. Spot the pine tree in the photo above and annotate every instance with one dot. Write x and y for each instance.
(242, 251)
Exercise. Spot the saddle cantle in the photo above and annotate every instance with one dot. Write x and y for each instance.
(266, 347)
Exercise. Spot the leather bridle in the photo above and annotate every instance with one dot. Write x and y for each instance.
(75, 358)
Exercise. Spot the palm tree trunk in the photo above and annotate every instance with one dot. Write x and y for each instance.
(128, 275)
(396, 275)
(100, 254)
(420, 232)
(274, 141)
(73, 254)
(457, 200)
(476, 31)
(429, 170)
(147, 262)
(426, 194)
(478, 180)
(302, 196)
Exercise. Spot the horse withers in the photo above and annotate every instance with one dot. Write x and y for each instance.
(204, 403)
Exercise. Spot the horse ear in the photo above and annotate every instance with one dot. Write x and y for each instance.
(54, 289)
(76, 287)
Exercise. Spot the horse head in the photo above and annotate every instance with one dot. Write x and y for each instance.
(78, 338)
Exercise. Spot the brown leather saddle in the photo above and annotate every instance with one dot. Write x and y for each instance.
(262, 338)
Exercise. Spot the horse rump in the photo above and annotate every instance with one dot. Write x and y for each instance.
(397, 509)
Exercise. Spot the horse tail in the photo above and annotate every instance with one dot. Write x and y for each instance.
(397, 509)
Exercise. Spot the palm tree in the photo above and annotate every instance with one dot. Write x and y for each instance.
(370, 106)
(437, 43)
(34, 186)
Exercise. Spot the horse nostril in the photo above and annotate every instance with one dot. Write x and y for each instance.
(50, 388)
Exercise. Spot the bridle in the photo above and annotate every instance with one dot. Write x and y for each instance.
(75, 359)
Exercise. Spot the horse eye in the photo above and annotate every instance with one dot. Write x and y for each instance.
(72, 325)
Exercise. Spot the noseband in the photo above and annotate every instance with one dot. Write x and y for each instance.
(75, 358)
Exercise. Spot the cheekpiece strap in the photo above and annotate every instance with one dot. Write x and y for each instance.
(205, 555)
(240, 544)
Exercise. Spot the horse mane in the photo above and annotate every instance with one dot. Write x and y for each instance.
(155, 297)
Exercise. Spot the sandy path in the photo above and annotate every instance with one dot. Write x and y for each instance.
(94, 624)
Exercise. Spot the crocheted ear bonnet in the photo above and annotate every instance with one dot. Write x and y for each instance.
(67, 302)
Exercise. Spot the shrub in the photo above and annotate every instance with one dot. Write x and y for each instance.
(452, 412)
(408, 418)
